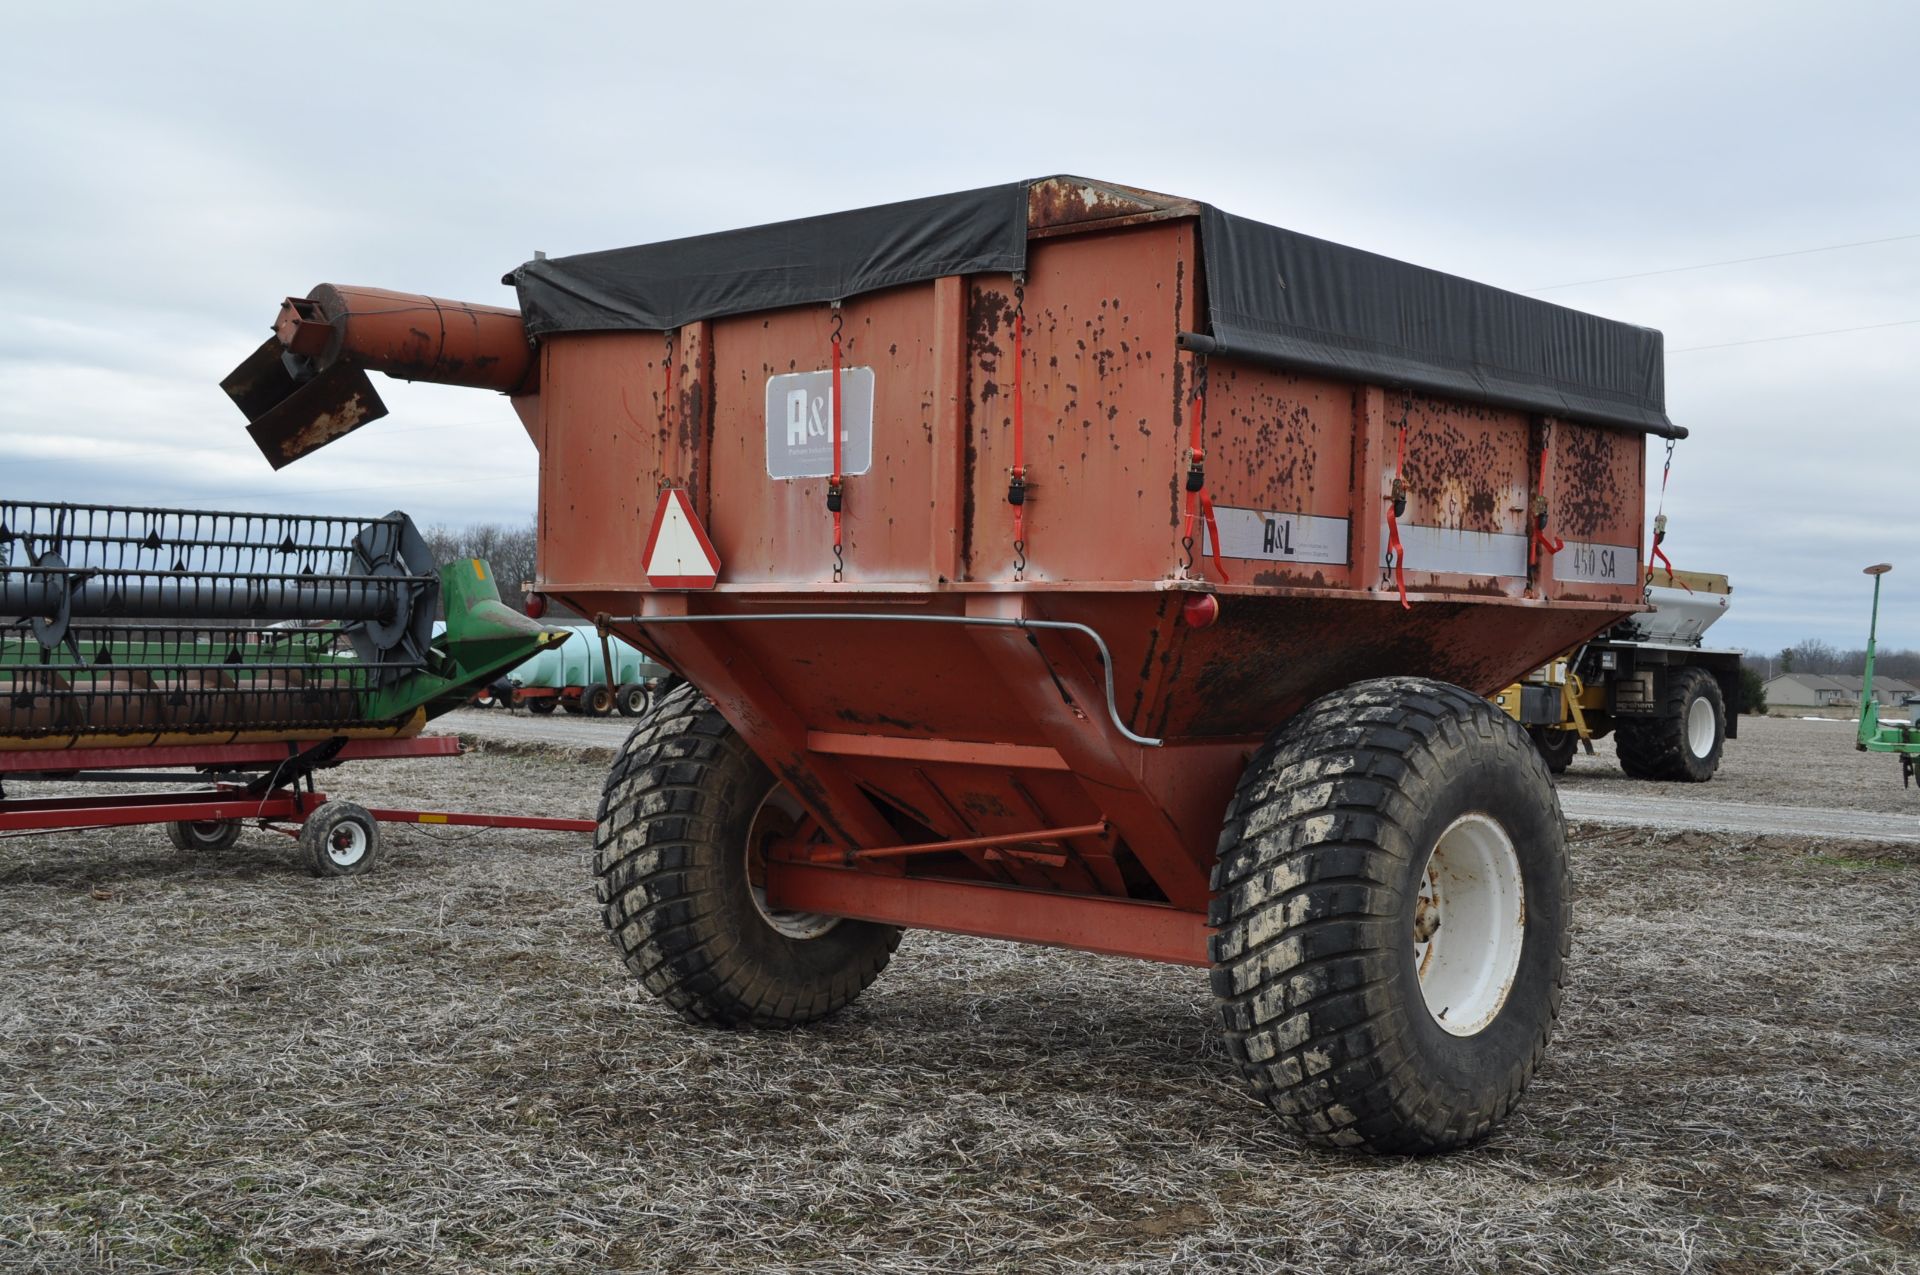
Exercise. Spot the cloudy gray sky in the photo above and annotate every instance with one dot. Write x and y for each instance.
(169, 173)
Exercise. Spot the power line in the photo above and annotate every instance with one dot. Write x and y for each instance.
(1731, 261)
(1795, 336)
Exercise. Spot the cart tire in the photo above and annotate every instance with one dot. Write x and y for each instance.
(542, 705)
(340, 839)
(572, 705)
(671, 853)
(597, 700)
(203, 836)
(631, 700)
(1683, 744)
(1556, 746)
(1335, 839)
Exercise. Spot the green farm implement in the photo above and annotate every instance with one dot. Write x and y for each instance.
(242, 652)
(1903, 741)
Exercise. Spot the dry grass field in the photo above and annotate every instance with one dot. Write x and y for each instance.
(223, 1064)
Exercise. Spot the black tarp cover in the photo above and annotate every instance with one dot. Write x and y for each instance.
(1273, 296)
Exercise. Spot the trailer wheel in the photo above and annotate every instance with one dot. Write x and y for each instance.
(541, 705)
(685, 809)
(597, 700)
(631, 700)
(572, 705)
(203, 836)
(1392, 917)
(1684, 742)
(1556, 746)
(340, 839)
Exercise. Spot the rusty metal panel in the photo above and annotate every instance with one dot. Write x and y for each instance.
(1280, 447)
(780, 531)
(1105, 407)
(613, 441)
(1595, 485)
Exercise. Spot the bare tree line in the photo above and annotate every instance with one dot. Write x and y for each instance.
(1814, 656)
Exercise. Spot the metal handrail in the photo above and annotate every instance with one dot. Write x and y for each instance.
(976, 621)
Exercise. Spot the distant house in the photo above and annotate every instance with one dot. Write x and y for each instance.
(1834, 690)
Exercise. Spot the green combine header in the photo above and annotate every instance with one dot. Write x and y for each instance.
(135, 626)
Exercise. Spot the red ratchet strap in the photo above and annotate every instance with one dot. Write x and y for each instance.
(834, 483)
(1397, 505)
(1660, 528)
(1017, 478)
(1198, 501)
(1541, 540)
(1660, 534)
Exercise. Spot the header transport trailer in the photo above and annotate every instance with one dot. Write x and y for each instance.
(1069, 563)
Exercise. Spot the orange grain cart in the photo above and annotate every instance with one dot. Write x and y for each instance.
(1091, 568)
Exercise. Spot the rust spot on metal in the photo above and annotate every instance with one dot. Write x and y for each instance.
(1590, 487)
(1066, 203)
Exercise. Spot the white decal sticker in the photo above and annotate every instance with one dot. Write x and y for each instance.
(800, 423)
(1277, 537)
(1584, 563)
(1470, 553)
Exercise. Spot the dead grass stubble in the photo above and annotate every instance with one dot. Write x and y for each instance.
(228, 1065)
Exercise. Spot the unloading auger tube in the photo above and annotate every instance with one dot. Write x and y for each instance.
(307, 383)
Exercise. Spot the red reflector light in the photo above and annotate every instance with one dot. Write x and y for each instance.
(536, 605)
(1200, 610)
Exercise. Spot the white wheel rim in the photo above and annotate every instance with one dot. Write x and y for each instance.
(777, 811)
(1700, 729)
(347, 843)
(1468, 924)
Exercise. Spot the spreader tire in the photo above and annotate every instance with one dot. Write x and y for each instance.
(204, 835)
(1683, 744)
(542, 705)
(1556, 746)
(631, 700)
(340, 839)
(672, 853)
(1387, 811)
(598, 700)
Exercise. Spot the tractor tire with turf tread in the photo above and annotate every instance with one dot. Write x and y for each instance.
(671, 860)
(1320, 865)
(1659, 747)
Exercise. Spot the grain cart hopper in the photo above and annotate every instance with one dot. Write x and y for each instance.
(241, 652)
(1070, 563)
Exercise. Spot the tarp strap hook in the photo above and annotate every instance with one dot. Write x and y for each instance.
(1540, 539)
(666, 380)
(1017, 477)
(1397, 508)
(1660, 529)
(835, 483)
(1199, 503)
